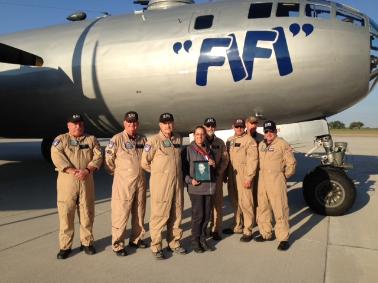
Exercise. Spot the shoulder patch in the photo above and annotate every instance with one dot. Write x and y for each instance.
(56, 142)
(110, 144)
(147, 147)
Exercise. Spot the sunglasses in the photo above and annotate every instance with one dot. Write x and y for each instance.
(210, 125)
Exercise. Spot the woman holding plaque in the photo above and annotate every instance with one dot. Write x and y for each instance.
(199, 172)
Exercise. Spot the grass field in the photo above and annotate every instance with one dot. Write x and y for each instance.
(355, 133)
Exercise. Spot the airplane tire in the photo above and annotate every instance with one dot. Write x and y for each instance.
(329, 191)
(46, 149)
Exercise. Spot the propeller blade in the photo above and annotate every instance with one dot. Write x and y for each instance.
(12, 55)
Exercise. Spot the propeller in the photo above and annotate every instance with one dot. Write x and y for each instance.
(12, 55)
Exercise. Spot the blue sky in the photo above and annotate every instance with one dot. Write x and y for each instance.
(17, 15)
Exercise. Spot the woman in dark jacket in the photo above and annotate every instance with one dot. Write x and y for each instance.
(199, 172)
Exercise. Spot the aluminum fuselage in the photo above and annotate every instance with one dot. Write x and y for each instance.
(108, 66)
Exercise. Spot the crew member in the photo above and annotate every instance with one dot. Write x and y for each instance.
(277, 164)
(76, 156)
(123, 155)
(251, 123)
(199, 171)
(162, 157)
(219, 150)
(241, 171)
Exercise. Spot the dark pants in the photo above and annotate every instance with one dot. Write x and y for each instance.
(201, 211)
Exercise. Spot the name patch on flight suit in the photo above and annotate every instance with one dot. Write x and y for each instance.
(271, 149)
(167, 143)
(129, 145)
(147, 148)
(74, 142)
(83, 146)
(56, 142)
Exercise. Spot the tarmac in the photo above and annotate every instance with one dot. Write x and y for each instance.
(323, 249)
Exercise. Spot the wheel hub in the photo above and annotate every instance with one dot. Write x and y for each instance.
(330, 193)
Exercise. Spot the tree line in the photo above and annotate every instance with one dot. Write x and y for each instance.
(341, 125)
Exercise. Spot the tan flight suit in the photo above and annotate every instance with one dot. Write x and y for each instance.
(277, 164)
(122, 156)
(219, 149)
(162, 157)
(79, 153)
(242, 167)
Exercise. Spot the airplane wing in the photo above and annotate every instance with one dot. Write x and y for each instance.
(12, 55)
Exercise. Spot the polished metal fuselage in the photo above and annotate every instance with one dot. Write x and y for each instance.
(111, 65)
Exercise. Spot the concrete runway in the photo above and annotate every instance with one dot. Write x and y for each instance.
(323, 249)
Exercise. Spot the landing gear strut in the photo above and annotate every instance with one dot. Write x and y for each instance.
(327, 189)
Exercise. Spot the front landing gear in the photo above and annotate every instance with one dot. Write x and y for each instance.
(327, 189)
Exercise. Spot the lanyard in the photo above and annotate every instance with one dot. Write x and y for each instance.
(202, 152)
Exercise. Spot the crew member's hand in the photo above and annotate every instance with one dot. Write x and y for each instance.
(71, 171)
(195, 182)
(247, 184)
(211, 162)
(82, 174)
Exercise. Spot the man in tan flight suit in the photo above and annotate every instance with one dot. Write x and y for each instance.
(241, 172)
(162, 157)
(251, 122)
(219, 150)
(122, 156)
(76, 156)
(277, 164)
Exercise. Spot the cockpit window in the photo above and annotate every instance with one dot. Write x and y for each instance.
(287, 10)
(349, 17)
(318, 11)
(260, 10)
(204, 22)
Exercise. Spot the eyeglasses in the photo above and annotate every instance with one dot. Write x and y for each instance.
(210, 126)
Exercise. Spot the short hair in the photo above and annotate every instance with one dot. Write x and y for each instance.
(251, 120)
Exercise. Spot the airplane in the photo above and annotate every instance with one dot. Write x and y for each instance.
(293, 61)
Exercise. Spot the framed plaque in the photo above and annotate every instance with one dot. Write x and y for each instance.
(202, 171)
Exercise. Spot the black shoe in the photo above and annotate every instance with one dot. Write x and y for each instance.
(89, 250)
(283, 246)
(246, 238)
(228, 231)
(179, 250)
(158, 255)
(197, 248)
(121, 252)
(216, 236)
(141, 244)
(205, 246)
(63, 254)
(261, 239)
